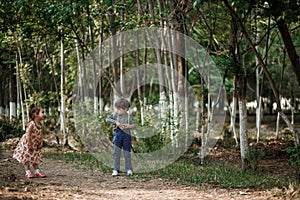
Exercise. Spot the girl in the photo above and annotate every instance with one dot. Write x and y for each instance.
(29, 149)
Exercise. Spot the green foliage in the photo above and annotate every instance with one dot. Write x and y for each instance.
(256, 156)
(105, 127)
(10, 129)
(222, 175)
(150, 144)
(294, 153)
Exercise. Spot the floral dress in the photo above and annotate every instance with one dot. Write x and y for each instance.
(22, 152)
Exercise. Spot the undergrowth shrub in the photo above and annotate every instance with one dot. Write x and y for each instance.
(10, 129)
(294, 153)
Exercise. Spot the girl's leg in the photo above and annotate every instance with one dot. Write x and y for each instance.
(28, 173)
(35, 166)
(37, 172)
(27, 166)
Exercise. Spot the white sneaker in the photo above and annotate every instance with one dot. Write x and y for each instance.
(129, 173)
(115, 173)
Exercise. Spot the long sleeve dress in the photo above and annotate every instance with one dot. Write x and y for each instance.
(22, 153)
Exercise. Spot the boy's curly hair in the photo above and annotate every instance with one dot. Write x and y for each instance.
(122, 103)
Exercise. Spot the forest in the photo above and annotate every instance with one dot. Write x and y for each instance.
(203, 77)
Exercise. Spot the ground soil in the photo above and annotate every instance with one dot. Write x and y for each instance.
(69, 181)
(66, 181)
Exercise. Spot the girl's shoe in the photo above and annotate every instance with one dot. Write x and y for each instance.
(40, 175)
(29, 176)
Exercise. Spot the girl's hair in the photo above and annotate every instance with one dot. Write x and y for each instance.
(122, 103)
(33, 109)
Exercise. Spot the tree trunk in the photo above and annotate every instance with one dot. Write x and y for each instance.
(115, 63)
(233, 112)
(291, 127)
(160, 71)
(20, 104)
(243, 131)
(2, 90)
(209, 102)
(12, 94)
(62, 95)
(241, 83)
(292, 107)
(53, 73)
(179, 25)
(122, 56)
(101, 101)
(290, 48)
(178, 22)
(203, 138)
(280, 91)
(142, 89)
(258, 97)
(81, 91)
(20, 64)
(277, 126)
(95, 78)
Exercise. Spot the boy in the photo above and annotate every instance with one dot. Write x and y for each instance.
(122, 122)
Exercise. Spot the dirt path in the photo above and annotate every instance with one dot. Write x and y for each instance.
(67, 181)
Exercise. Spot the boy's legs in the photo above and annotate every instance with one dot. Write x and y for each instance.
(127, 149)
(117, 149)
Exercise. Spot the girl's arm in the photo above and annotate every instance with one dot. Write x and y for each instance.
(40, 146)
(29, 131)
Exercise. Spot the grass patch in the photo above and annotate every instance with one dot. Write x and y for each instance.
(83, 159)
(220, 175)
(184, 172)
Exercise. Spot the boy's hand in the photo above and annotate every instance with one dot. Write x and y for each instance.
(118, 124)
(127, 126)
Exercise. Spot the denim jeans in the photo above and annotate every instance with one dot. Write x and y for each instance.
(121, 141)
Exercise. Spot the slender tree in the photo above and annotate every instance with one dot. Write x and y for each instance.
(266, 71)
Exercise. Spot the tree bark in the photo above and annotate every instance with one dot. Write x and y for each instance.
(2, 91)
(290, 48)
(241, 92)
(115, 63)
(233, 111)
(62, 95)
(179, 25)
(95, 78)
(243, 128)
(12, 94)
